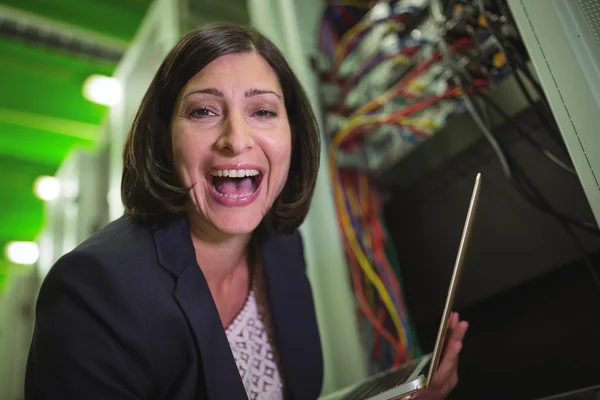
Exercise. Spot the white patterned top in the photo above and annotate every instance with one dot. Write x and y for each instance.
(250, 337)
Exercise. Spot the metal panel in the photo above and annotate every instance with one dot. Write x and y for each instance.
(561, 40)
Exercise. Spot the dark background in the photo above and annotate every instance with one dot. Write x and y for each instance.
(533, 308)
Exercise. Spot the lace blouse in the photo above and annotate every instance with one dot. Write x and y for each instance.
(250, 337)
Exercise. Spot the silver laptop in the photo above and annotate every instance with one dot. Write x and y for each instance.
(401, 382)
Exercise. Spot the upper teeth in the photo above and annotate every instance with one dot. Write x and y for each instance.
(234, 173)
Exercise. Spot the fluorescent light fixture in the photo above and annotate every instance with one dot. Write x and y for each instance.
(103, 90)
(46, 188)
(22, 252)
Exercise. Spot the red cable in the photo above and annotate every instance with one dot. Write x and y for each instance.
(359, 291)
(376, 352)
(378, 245)
(360, 296)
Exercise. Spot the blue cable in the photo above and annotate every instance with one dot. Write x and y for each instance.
(356, 226)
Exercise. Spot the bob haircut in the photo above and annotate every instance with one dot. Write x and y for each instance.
(150, 188)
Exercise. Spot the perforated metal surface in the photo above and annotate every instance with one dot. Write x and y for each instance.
(591, 11)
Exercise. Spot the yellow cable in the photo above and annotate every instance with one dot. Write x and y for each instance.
(355, 205)
(358, 210)
(340, 52)
(353, 241)
(401, 59)
(355, 122)
(358, 207)
(369, 272)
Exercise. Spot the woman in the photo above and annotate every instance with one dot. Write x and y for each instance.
(200, 290)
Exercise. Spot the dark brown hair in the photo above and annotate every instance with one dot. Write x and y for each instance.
(150, 189)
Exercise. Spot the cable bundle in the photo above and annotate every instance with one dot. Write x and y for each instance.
(498, 26)
(390, 81)
(369, 250)
(392, 75)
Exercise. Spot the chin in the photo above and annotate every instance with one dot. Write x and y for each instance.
(236, 223)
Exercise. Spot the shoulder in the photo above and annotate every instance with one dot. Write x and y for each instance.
(100, 259)
(119, 240)
(90, 308)
(114, 260)
(95, 279)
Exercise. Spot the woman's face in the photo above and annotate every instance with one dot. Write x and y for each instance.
(232, 142)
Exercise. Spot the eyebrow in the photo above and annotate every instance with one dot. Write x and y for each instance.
(258, 92)
(247, 94)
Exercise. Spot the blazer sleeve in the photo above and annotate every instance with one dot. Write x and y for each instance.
(300, 248)
(88, 341)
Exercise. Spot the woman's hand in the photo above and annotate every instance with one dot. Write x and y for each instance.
(446, 376)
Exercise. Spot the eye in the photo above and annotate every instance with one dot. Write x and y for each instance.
(201, 113)
(265, 113)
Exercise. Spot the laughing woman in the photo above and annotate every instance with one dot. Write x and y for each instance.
(199, 291)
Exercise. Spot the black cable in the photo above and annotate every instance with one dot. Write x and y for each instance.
(519, 66)
(533, 196)
(584, 225)
(581, 248)
(506, 12)
(547, 207)
(528, 190)
(512, 170)
(544, 113)
(568, 229)
(547, 153)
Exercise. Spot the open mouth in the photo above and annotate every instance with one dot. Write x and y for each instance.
(235, 183)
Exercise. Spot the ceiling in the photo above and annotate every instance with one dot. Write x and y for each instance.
(43, 113)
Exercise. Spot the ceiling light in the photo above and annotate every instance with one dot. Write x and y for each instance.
(22, 252)
(46, 188)
(102, 90)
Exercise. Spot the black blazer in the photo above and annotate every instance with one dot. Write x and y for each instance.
(128, 315)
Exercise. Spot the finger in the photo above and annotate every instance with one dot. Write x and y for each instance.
(448, 364)
(453, 321)
(459, 332)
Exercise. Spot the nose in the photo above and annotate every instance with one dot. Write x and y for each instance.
(235, 137)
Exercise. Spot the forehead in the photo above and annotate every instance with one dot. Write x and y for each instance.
(235, 72)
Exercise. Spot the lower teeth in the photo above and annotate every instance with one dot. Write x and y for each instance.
(234, 196)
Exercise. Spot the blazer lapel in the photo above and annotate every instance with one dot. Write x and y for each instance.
(295, 326)
(176, 254)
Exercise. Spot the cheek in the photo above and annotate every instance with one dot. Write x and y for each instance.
(187, 157)
(280, 163)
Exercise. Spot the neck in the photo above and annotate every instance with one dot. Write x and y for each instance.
(219, 255)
